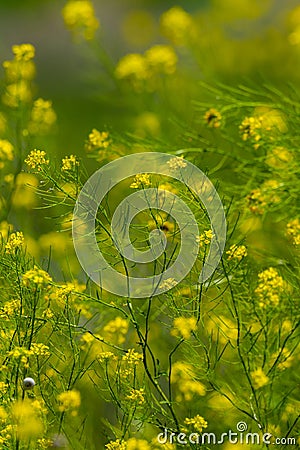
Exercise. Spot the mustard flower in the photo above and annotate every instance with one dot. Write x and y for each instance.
(236, 252)
(259, 378)
(137, 444)
(205, 238)
(162, 59)
(197, 422)
(37, 277)
(116, 445)
(42, 117)
(293, 230)
(97, 140)
(37, 159)
(15, 242)
(69, 163)
(6, 152)
(116, 329)
(69, 400)
(169, 283)
(16, 93)
(176, 163)
(136, 396)
(270, 286)
(183, 326)
(213, 118)
(23, 52)
(177, 25)
(79, 18)
(141, 180)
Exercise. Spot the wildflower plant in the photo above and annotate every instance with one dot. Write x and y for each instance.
(95, 369)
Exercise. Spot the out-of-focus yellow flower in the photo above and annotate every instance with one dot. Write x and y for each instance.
(116, 445)
(271, 119)
(147, 123)
(213, 118)
(279, 158)
(23, 52)
(116, 330)
(161, 59)
(6, 152)
(177, 26)
(137, 444)
(37, 277)
(133, 68)
(205, 238)
(259, 378)
(270, 286)
(24, 195)
(293, 230)
(42, 117)
(183, 375)
(5, 229)
(183, 327)
(3, 124)
(97, 140)
(79, 18)
(26, 429)
(69, 401)
(17, 93)
(221, 329)
(19, 70)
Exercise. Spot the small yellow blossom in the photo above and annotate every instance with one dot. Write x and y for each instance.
(16, 93)
(213, 118)
(169, 283)
(97, 140)
(9, 309)
(161, 59)
(69, 163)
(36, 159)
(177, 163)
(279, 157)
(116, 330)
(293, 230)
(205, 238)
(133, 67)
(183, 375)
(136, 396)
(137, 444)
(236, 252)
(15, 242)
(37, 277)
(183, 326)
(69, 400)
(42, 117)
(6, 152)
(105, 356)
(177, 25)
(269, 288)
(15, 71)
(259, 378)
(249, 128)
(23, 52)
(116, 445)
(197, 422)
(79, 18)
(141, 180)
(25, 428)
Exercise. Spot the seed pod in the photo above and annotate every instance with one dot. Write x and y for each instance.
(28, 383)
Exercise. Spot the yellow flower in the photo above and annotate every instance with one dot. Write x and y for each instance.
(69, 163)
(97, 140)
(279, 157)
(105, 356)
(213, 118)
(15, 242)
(17, 93)
(183, 326)
(205, 238)
(141, 180)
(137, 444)
(259, 378)
(116, 445)
(236, 252)
(26, 429)
(37, 277)
(177, 25)
(293, 230)
(169, 283)
(134, 68)
(249, 128)
(79, 18)
(136, 396)
(18, 70)
(36, 159)
(6, 152)
(184, 376)
(69, 400)
(23, 52)
(42, 117)
(24, 195)
(197, 422)
(269, 288)
(116, 330)
(161, 59)
(176, 163)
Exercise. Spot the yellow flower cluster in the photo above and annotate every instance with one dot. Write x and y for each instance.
(136, 396)
(69, 401)
(14, 243)
(184, 376)
(283, 359)
(213, 118)
(37, 277)
(116, 445)
(79, 18)
(183, 327)
(169, 283)
(116, 330)
(249, 129)
(97, 140)
(8, 310)
(177, 163)
(6, 152)
(177, 26)
(42, 117)
(26, 429)
(36, 159)
(279, 157)
(259, 378)
(197, 422)
(262, 197)
(222, 329)
(236, 252)
(141, 180)
(105, 356)
(293, 230)
(18, 73)
(269, 288)
(130, 361)
(138, 69)
(69, 163)
(205, 238)
(23, 354)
